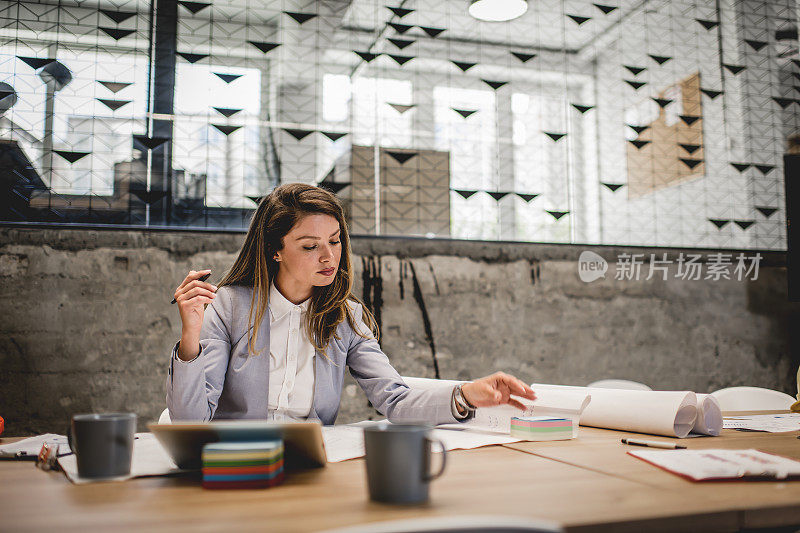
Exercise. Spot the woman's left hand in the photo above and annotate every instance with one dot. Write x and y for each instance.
(497, 390)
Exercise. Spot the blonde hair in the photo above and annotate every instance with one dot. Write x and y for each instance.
(255, 266)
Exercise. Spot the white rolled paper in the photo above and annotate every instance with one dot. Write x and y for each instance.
(668, 413)
(709, 416)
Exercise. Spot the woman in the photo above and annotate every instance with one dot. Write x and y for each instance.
(283, 324)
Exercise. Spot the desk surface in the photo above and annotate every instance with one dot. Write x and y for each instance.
(585, 484)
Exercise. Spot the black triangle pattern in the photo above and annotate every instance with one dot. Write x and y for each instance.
(401, 60)
(463, 66)
(689, 119)
(744, 224)
(638, 129)
(192, 58)
(465, 193)
(691, 163)
(114, 86)
(555, 136)
(264, 46)
(734, 69)
(36, 62)
(582, 108)
(71, 156)
(148, 143)
(333, 135)
(113, 105)
(527, 197)
(636, 84)
(579, 20)
(432, 32)
(605, 9)
(116, 33)
(193, 7)
(719, 223)
(118, 16)
(227, 78)
(708, 24)
(662, 102)
(401, 157)
(765, 169)
(226, 130)
(494, 84)
(497, 195)
(400, 28)
(523, 57)
(766, 211)
(660, 59)
(691, 148)
(635, 70)
(710, 93)
(464, 112)
(366, 56)
(741, 167)
(613, 187)
(401, 43)
(400, 12)
(639, 144)
(226, 112)
(557, 214)
(297, 133)
(300, 18)
(756, 45)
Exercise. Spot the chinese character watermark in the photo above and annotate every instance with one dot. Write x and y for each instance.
(634, 267)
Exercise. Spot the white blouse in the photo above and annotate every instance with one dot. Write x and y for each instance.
(291, 359)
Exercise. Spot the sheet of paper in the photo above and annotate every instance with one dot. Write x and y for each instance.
(701, 465)
(668, 413)
(31, 446)
(345, 442)
(770, 423)
(149, 459)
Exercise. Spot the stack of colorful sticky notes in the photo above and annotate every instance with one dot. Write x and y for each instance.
(242, 465)
(541, 428)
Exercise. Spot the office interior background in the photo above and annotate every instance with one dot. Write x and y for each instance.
(476, 160)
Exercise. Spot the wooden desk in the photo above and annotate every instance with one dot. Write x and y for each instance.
(587, 484)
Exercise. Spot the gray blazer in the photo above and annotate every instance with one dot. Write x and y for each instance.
(223, 382)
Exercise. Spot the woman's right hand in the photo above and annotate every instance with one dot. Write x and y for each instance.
(192, 296)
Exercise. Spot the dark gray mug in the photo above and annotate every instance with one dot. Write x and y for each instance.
(398, 462)
(103, 444)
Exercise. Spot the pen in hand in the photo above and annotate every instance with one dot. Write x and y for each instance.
(653, 444)
(201, 278)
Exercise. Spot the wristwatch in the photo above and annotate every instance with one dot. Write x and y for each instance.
(461, 401)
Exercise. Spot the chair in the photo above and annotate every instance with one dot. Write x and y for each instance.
(618, 384)
(164, 418)
(455, 524)
(752, 399)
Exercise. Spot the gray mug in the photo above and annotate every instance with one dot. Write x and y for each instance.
(398, 462)
(103, 444)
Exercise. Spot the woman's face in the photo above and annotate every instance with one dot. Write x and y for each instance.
(311, 251)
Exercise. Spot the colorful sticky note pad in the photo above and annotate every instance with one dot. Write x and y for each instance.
(238, 465)
(541, 428)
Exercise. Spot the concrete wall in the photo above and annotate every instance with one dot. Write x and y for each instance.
(86, 324)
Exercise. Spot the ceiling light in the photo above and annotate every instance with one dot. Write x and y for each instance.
(497, 10)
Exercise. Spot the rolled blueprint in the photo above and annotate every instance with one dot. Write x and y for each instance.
(668, 413)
